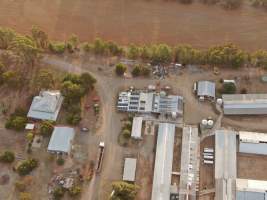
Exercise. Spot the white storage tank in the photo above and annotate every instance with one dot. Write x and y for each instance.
(204, 122)
(210, 123)
(219, 101)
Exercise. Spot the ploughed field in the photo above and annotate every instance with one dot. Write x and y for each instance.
(139, 21)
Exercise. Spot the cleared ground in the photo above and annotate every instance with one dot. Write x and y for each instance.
(139, 21)
(250, 166)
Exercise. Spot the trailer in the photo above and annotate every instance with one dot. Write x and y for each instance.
(100, 156)
(208, 157)
(208, 150)
(209, 162)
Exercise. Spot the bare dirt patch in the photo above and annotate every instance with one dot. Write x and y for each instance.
(250, 166)
(139, 21)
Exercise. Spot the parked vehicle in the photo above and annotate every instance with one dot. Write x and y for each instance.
(100, 157)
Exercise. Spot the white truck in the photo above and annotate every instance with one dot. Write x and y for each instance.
(100, 156)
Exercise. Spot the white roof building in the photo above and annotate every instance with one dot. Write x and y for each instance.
(129, 169)
(206, 89)
(225, 164)
(245, 104)
(254, 143)
(137, 128)
(46, 106)
(61, 140)
(163, 162)
(251, 189)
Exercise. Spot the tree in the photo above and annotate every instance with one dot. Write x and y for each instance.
(6, 37)
(74, 41)
(185, 54)
(114, 49)
(58, 193)
(226, 55)
(60, 161)
(99, 47)
(124, 191)
(126, 133)
(145, 53)
(25, 48)
(75, 191)
(137, 70)
(231, 4)
(16, 122)
(40, 37)
(25, 167)
(30, 136)
(57, 47)
(44, 80)
(161, 53)
(71, 91)
(87, 81)
(146, 71)
(46, 128)
(12, 79)
(259, 58)
(133, 52)
(120, 69)
(229, 88)
(7, 157)
(25, 196)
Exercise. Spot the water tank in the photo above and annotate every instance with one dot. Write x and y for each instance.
(219, 101)
(162, 94)
(204, 122)
(174, 115)
(210, 123)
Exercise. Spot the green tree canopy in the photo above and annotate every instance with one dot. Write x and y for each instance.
(44, 80)
(120, 69)
(6, 37)
(40, 37)
(124, 191)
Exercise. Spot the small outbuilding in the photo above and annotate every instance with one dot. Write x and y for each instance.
(137, 128)
(61, 140)
(205, 90)
(129, 169)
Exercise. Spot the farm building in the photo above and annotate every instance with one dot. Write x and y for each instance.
(245, 104)
(251, 189)
(254, 143)
(137, 128)
(149, 102)
(46, 106)
(163, 162)
(129, 169)
(205, 89)
(225, 164)
(61, 140)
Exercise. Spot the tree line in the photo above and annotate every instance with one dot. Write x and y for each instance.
(28, 49)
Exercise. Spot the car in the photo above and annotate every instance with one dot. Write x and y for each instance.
(85, 129)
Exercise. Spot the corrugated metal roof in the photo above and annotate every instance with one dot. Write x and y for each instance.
(137, 127)
(252, 137)
(61, 139)
(46, 106)
(206, 88)
(225, 154)
(163, 162)
(245, 104)
(245, 195)
(254, 148)
(129, 169)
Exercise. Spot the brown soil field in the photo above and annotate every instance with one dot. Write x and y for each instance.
(139, 21)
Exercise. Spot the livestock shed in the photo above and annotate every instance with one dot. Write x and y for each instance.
(129, 169)
(61, 140)
(251, 189)
(137, 128)
(206, 89)
(46, 106)
(245, 104)
(163, 162)
(254, 143)
(225, 164)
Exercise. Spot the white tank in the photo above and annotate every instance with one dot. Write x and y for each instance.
(162, 94)
(204, 122)
(174, 115)
(210, 122)
(219, 101)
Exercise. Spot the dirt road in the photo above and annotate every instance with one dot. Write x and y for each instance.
(139, 21)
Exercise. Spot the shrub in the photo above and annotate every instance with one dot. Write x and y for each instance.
(27, 166)
(75, 191)
(58, 193)
(17, 123)
(126, 133)
(229, 88)
(146, 71)
(7, 157)
(60, 161)
(25, 196)
(137, 70)
(57, 47)
(46, 128)
(120, 69)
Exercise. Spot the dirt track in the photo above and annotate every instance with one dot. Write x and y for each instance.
(139, 21)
